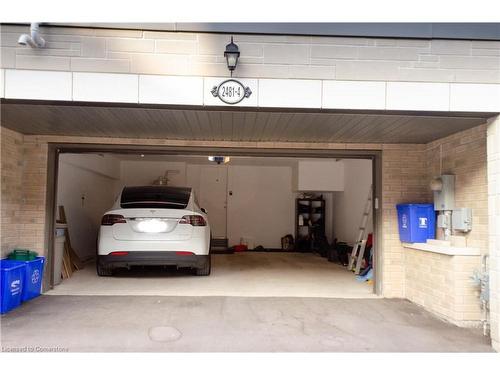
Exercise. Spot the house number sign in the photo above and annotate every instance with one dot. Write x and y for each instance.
(231, 91)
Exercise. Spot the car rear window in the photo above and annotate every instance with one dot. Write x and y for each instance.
(155, 197)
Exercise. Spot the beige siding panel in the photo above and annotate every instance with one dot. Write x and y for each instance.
(99, 65)
(7, 57)
(470, 62)
(312, 72)
(130, 45)
(286, 54)
(426, 75)
(2, 83)
(334, 52)
(367, 70)
(42, 62)
(176, 47)
(169, 35)
(160, 64)
(450, 47)
(119, 33)
(93, 47)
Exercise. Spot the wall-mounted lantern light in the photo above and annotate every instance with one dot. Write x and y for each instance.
(231, 54)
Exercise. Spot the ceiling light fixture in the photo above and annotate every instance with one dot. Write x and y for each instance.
(219, 159)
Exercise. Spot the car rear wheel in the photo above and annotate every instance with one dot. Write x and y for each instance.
(104, 270)
(205, 269)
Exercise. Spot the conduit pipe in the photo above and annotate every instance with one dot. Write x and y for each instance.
(34, 40)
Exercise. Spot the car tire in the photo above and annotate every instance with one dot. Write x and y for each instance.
(205, 269)
(104, 270)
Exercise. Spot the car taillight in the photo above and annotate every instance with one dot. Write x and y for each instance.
(194, 220)
(184, 253)
(118, 253)
(112, 219)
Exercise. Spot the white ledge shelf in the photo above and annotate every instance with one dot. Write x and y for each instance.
(443, 249)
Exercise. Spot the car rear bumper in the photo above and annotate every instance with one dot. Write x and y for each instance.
(198, 244)
(153, 258)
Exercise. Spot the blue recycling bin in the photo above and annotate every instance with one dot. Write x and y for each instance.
(12, 280)
(33, 278)
(416, 222)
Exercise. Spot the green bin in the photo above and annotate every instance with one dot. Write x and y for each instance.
(23, 254)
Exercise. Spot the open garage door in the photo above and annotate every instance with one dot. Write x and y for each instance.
(281, 225)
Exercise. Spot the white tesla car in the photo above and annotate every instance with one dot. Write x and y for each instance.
(154, 225)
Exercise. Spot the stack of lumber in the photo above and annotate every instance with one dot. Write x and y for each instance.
(71, 260)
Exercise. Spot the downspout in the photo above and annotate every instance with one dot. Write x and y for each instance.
(35, 35)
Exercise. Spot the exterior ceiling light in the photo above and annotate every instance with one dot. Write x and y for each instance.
(219, 159)
(232, 53)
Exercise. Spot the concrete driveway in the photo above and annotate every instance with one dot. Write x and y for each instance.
(231, 324)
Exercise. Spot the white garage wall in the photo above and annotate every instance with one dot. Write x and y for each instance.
(94, 178)
(349, 204)
(262, 205)
(320, 175)
(144, 172)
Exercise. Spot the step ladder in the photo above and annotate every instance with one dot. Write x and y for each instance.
(360, 243)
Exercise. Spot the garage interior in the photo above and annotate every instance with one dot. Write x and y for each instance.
(107, 133)
(252, 201)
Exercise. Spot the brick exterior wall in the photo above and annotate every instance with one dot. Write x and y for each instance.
(24, 170)
(262, 56)
(464, 155)
(11, 172)
(494, 224)
(441, 283)
(403, 181)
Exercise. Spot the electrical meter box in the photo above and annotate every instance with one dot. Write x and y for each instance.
(461, 219)
(444, 199)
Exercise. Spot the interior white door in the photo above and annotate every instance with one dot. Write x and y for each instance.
(213, 188)
(260, 204)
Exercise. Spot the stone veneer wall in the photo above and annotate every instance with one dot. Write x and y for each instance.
(262, 56)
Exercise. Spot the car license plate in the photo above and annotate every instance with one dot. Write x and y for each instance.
(152, 226)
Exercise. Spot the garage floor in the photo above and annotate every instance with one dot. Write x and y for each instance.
(241, 274)
(231, 324)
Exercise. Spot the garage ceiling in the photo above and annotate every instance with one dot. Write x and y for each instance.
(229, 125)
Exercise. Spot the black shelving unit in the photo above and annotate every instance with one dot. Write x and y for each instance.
(311, 228)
